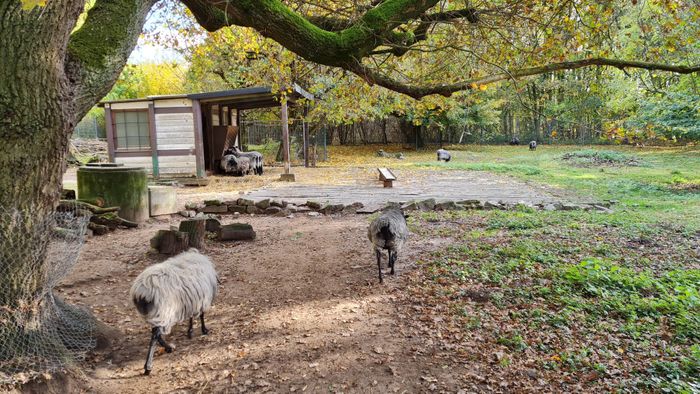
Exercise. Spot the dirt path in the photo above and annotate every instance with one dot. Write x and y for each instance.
(300, 309)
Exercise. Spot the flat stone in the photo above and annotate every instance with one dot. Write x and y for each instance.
(601, 208)
(273, 210)
(195, 206)
(252, 209)
(263, 204)
(492, 205)
(162, 200)
(352, 208)
(278, 203)
(313, 204)
(332, 208)
(215, 209)
(187, 213)
(570, 207)
(410, 206)
(212, 202)
(313, 214)
(245, 201)
(447, 206)
(426, 205)
(549, 207)
(237, 208)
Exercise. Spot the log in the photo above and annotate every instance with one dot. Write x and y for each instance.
(98, 229)
(97, 201)
(236, 232)
(196, 229)
(69, 205)
(112, 221)
(170, 241)
(213, 225)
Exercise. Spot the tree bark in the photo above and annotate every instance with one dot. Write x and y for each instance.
(196, 229)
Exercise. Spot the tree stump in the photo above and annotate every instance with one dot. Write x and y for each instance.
(98, 229)
(236, 232)
(213, 225)
(170, 241)
(196, 228)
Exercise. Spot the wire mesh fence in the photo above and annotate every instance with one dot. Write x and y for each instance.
(266, 138)
(40, 333)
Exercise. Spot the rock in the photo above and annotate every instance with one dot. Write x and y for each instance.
(276, 203)
(410, 206)
(199, 215)
(212, 202)
(237, 208)
(187, 213)
(352, 208)
(313, 214)
(550, 207)
(213, 225)
(600, 208)
(298, 209)
(313, 204)
(569, 207)
(426, 205)
(215, 209)
(469, 202)
(492, 205)
(195, 206)
(245, 202)
(263, 204)
(447, 206)
(332, 208)
(252, 209)
(400, 156)
(273, 210)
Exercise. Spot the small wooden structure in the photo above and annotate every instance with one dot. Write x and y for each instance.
(386, 176)
(185, 135)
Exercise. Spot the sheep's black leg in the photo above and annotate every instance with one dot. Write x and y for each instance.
(379, 265)
(392, 260)
(190, 329)
(155, 333)
(205, 330)
(168, 347)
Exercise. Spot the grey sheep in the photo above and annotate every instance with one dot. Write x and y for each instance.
(238, 166)
(256, 158)
(533, 145)
(180, 288)
(443, 155)
(389, 231)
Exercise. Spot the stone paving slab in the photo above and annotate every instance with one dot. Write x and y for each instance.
(442, 186)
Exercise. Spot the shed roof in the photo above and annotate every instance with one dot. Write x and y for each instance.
(255, 97)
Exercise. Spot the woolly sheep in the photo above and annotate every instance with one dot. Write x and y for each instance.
(238, 166)
(181, 287)
(443, 155)
(515, 141)
(389, 231)
(256, 158)
(533, 145)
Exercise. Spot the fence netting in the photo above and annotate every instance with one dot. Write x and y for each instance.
(40, 333)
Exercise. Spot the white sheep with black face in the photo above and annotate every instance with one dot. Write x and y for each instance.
(232, 164)
(443, 155)
(180, 288)
(389, 231)
(533, 145)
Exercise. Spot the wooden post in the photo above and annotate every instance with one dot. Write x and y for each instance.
(305, 127)
(154, 140)
(287, 176)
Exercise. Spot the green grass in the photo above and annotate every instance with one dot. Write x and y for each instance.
(665, 186)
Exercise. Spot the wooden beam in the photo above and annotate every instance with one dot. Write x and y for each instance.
(198, 138)
(154, 140)
(285, 137)
(109, 128)
(305, 127)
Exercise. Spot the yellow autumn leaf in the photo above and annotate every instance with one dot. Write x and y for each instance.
(30, 4)
(482, 87)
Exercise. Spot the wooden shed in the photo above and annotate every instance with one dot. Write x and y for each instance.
(184, 135)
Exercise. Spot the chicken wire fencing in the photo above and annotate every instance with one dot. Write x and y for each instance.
(266, 138)
(39, 333)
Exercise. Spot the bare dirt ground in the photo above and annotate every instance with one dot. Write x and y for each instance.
(300, 309)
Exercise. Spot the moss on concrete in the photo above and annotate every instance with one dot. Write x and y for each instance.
(123, 187)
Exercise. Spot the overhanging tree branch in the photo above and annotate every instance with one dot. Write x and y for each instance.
(374, 77)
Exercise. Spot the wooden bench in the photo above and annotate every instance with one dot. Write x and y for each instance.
(386, 176)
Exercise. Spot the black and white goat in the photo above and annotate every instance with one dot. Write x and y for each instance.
(180, 288)
(514, 141)
(533, 145)
(443, 155)
(389, 231)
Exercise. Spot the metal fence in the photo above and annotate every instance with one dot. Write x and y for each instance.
(90, 127)
(266, 138)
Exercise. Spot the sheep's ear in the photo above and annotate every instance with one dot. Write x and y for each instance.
(406, 216)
